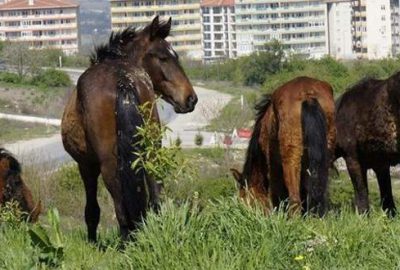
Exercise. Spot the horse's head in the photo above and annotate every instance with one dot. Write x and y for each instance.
(251, 192)
(161, 62)
(12, 188)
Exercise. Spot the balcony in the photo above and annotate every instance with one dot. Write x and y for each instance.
(64, 26)
(155, 8)
(39, 17)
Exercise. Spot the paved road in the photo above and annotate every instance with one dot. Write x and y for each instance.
(45, 150)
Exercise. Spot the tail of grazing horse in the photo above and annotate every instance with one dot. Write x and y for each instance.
(316, 145)
(133, 182)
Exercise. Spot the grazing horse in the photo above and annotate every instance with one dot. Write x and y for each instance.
(12, 188)
(289, 151)
(367, 120)
(100, 120)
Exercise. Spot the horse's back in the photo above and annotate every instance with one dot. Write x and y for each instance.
(289, 98)
(366, 119)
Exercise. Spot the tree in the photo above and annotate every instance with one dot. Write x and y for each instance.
(259, 65)
(23, 59)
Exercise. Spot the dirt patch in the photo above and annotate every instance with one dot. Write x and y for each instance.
(48, 103)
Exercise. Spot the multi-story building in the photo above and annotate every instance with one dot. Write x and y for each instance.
(186, 34)
(340, 36)
(371, 28)
(219, 33)
(41, 23)
(300, 25)
(395, 24)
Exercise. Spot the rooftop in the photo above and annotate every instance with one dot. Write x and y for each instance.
(217, 3)
(36, 4)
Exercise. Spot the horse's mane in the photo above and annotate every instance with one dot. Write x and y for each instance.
(113, 49)
(15, 166)
(255, 155)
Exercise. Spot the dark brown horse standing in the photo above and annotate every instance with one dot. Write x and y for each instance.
(289, 152)
(101, 117)
(13, 188)
(367, 120)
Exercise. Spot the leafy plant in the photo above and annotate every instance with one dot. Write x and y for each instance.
(50, 244)
(11, 214)
(52, 78)
(158, 161)
(178, 141)
(198, 139)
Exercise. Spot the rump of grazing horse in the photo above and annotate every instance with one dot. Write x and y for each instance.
(13, 188)
(100, 119)
(295, 136)
(367, 120)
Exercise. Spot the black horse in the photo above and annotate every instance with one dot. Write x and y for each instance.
(367, 121)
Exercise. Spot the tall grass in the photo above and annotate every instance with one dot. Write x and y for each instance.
(202, 225)
(227, 235)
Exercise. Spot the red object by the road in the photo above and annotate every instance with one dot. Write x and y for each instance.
(244, 133)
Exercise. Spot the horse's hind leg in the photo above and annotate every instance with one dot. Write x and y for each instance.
(385, 187)
(358, 175)
(108, 171)
(90, 174)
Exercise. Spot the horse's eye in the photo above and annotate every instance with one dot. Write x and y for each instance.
(163, 58)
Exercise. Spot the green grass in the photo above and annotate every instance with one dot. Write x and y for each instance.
(202, 225)
(12, 131)
(226, 235)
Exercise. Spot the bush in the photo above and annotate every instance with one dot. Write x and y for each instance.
(198, 139)
(9, 77)
(52, 78)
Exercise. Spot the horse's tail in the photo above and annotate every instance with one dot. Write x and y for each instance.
(316, 149)
(132, 181)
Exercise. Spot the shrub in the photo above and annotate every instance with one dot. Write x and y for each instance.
(198, 139)
(51, 78)
(10, 77)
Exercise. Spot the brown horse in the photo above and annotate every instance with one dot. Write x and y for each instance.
(12, 188)
(289, 152)
(100, 120)
(368, 124)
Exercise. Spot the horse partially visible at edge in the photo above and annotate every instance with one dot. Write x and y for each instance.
(13, 188)
(100, 120)
(290, 149)
(368, 124)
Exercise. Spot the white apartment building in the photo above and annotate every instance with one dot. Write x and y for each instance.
(219, 29)
(186, 34)
(395, 24)
(300, 25)
(373, 24)
(340, 36)
(41, 23)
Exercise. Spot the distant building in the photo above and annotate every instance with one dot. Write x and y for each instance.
(340, 34)
(41, 23)
(300, 26)
(395, 21)
(371, 26)
(219, 29)
(186, 34)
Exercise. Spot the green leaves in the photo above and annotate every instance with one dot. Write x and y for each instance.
(160, 162)
(51, 248)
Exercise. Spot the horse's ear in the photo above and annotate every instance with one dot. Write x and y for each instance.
(237, 175)
(159, 29)
(154, 26)
(164, 29)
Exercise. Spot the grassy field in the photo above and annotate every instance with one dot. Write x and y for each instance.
(202, 225)
(12, 131)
